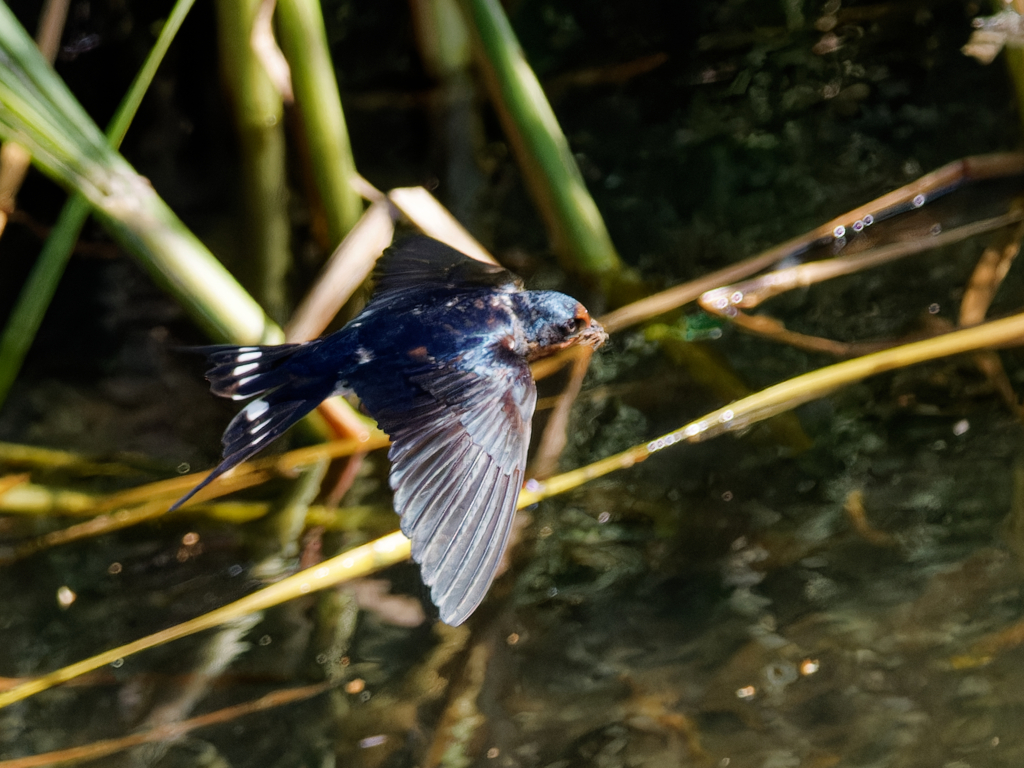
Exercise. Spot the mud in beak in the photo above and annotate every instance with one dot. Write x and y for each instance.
(591, 334)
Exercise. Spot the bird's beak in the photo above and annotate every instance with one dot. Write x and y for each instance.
(592, 334)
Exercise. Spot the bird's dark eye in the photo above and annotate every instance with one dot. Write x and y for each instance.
(574, 326)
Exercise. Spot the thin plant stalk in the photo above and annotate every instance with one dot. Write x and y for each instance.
(933, 184)
(575, 226)
(725, 301)
(346, 269)
(423, 209)
(17, 496)
(167, 731)
(304, 40)
(259, 114)
(42, 281)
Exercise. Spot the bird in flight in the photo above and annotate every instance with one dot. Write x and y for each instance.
(440, 358)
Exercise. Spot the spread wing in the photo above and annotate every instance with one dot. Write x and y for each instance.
(422, 263)
(458, 456)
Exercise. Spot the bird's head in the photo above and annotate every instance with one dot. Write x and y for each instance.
(553, 321)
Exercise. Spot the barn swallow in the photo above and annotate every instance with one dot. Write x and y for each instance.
(440, 358)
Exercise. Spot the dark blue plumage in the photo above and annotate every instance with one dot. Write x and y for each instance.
(439, 357)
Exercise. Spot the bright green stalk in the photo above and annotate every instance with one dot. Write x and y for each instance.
(38, 290)
(258, 114)
(574, 224)
(39, 112)
(304, 40)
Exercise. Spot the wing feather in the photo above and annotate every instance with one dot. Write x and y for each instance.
(458, 458)
(467, 592)
(456, 529)
(420, 263)
(459, 547)
(483, 554)
(432, 502)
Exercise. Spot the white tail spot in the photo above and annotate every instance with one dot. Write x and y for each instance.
(255, 409)
(246, 357)
(259, 427)
(241, 370)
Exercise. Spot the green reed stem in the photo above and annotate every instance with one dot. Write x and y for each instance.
(259, 114)
(574, 224)
(42, 281)
(304, 40)
(39, 112)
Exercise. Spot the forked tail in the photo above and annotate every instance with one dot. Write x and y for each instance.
(284, 398)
